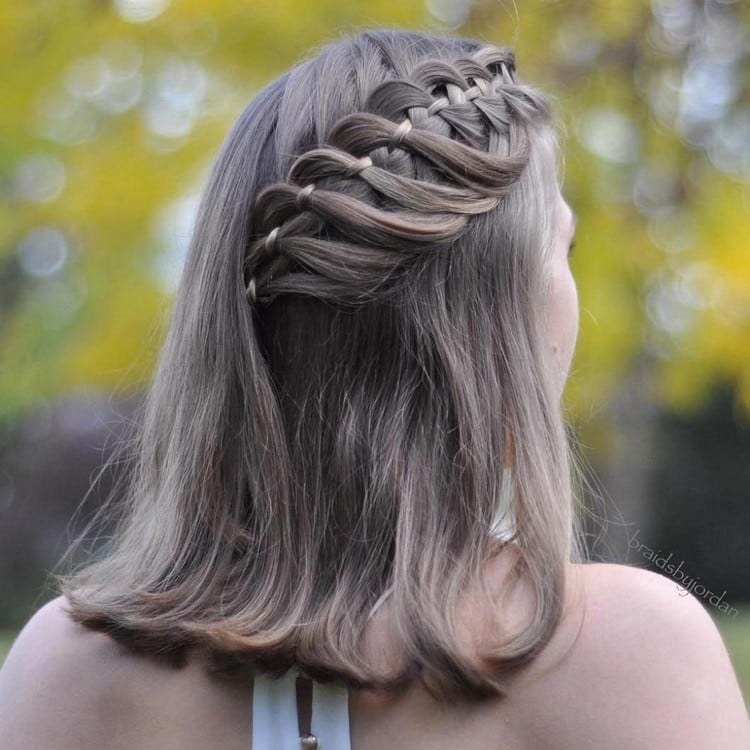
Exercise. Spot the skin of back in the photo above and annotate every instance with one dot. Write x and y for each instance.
(634, 664)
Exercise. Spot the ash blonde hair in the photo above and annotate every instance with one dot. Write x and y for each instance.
(358, 331)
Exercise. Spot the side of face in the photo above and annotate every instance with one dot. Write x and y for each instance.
(562, 311)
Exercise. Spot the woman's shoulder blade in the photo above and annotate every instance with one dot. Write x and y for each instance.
(54, 669)
(64, 686)
(637, 662)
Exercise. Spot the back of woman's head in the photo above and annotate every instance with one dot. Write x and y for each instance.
(357, 344)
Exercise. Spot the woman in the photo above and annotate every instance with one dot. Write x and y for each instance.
(353, 463)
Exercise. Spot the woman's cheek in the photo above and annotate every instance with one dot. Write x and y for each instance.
(563, 320)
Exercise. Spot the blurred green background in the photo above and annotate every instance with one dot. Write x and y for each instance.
(112, 112)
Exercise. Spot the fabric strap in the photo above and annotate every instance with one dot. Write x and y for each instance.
(275, 710)
(330, 716)
(275, 714)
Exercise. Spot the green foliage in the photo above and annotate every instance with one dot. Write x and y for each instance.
(736, 634)
(6, 641)
(121, 118)
(661, 258)
(76, 70)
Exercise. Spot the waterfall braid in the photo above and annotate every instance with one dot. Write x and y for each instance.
(357, 334)
(473, 139)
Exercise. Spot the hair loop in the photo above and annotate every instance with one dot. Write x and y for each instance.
(506, 72)
(483, 86)
(359, 166)
(269, 245)
(302, 200)
(438, 106)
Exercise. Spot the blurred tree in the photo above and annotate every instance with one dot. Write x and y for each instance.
(697, 460)
(655, 97)
(114, 110)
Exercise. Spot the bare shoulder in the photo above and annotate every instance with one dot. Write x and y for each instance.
(64, 686)
(53, 669)
(638, 662)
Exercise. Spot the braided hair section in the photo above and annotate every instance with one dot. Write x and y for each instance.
(393, 181)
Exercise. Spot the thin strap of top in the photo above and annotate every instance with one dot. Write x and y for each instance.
(275, 713)
(275, 700)
(275, 710)
(330, 716)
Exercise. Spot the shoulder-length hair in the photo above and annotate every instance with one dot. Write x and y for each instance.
(357, 335)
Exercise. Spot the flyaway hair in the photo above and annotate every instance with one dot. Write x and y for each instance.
(357, 334)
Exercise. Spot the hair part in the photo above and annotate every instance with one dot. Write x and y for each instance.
(341, 376)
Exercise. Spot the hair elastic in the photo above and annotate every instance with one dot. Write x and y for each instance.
(270, 243)
(359, 166)
(301, 201)
(269, 246)
(251, 289)
(399, 134)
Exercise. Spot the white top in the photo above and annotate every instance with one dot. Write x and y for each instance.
(275, 714)
(275, 710)
(275, 699)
